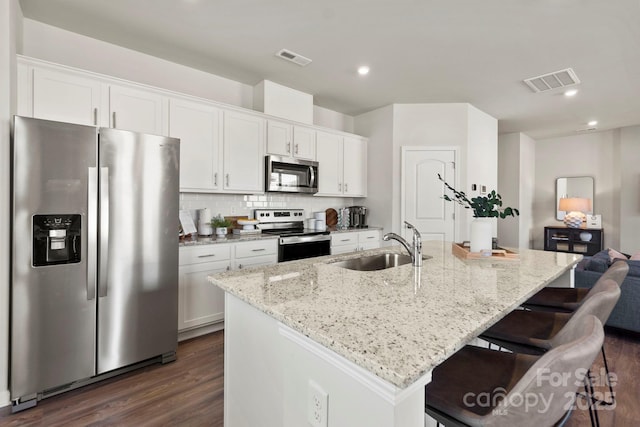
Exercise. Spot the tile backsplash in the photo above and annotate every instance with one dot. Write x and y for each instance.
(243, 205)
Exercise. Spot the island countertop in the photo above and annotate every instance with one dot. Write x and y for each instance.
(401, 322)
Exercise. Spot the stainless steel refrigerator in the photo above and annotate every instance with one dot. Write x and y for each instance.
(94, 254)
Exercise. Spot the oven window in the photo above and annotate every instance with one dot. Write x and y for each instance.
(294, 251)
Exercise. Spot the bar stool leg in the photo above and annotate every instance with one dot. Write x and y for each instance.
(606, 369)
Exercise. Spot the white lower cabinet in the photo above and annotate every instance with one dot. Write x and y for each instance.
(352, 241)
(200, 303)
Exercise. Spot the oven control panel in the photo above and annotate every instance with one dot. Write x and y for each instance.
(279, 215)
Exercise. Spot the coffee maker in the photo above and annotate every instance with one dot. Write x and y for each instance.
(358, 216)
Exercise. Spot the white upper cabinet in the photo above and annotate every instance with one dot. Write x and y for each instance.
(343, 165)
(284, 139)
(198, 127)
(304, 143)
(65, 97)
(354, 166)
(136, 109)
(243, 147)
(329, 155)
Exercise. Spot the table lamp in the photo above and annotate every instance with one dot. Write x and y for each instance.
(575, 208)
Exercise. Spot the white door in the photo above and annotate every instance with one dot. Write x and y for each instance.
(329, 155)
(65, 97)
(197, 126)
(355, 166)
(422, 204)
(136, 110)
(278, 138)
(304, 143)
(243, 152)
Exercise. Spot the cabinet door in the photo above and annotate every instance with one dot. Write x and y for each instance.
(243, 153)
(197, 125)
(278, 138)
(136, 110)
(199, 301)
(65, 97)
(329, 156)
(304, 143)
(355, 166)
(369, 239)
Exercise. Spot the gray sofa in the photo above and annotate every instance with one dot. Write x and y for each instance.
(626, 313)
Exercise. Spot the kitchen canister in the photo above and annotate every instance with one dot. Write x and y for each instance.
(321, 225)
(311, 223)
(320, 216)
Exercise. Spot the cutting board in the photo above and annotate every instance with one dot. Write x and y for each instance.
(332, 217)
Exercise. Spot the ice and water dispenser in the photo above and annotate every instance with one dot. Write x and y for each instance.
(56, 239)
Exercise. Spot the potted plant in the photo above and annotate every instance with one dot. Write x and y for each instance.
(489, 206)
(220, 223)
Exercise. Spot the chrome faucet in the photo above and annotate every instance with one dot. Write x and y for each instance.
(416, 251)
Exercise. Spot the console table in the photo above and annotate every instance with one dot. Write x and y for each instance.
(563, 239)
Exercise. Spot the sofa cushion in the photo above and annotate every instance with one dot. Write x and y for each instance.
(634, 268)
(602, 255)
(615, 255)
(598, 265)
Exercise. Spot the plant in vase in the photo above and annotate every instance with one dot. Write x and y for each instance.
(484, 207)
(220, 224)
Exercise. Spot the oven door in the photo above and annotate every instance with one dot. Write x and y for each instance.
(300, 247)
(290, 175)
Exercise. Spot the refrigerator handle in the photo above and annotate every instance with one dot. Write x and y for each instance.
(104, 232)
(91, 232)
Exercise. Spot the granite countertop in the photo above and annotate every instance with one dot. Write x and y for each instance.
(401, 322)
(230, 238)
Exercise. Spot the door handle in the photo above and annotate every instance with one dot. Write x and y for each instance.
(92, 232)
(312, 177)
(103, 249)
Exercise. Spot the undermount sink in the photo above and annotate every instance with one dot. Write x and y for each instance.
(375, 262)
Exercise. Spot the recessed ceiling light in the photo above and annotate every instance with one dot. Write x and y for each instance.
(571, 92)
(363, 70)
(592, 123)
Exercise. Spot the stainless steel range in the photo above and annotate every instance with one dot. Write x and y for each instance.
(295, 242)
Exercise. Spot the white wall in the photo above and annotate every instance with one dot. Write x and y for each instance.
(64, 47)
(516, 177)
(378, 125)
(430, 125)
(332, 119)
(590, 154)
(629, 194)
(10, 24)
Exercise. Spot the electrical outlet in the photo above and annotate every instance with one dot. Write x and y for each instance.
(317, 405)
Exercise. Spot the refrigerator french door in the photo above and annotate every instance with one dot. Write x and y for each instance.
(94, 253)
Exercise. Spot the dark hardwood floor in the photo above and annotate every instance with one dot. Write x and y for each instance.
(189, 392)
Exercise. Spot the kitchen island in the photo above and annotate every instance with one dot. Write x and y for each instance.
(308, 340)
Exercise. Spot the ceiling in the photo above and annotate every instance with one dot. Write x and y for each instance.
(419, 51)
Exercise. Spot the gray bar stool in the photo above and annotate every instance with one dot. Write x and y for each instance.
(535, 332)
(481, 387)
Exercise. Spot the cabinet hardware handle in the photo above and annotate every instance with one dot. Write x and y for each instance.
(95, 116)
(288, 147)
(228, 267)
(340, 187)
(227, 180)
(297, 148)
(113, 122)
(371, 237)
(206, 256)
(346, 187)
(240, 266)
(215, 179)
(258, 250)
(345, 240)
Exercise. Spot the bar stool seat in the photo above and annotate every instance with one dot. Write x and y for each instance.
(569, 299)
(482, 387)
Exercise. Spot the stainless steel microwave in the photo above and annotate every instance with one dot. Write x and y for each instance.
(288, 175)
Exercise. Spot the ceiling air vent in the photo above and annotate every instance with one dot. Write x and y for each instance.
(553, 80)
(293, 57)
